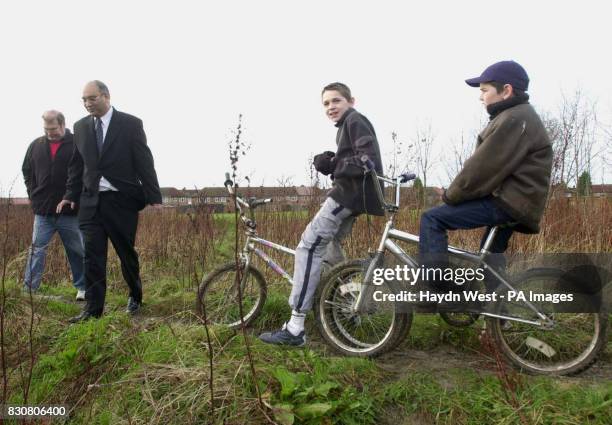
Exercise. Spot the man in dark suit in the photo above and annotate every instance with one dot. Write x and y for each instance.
(112, 176)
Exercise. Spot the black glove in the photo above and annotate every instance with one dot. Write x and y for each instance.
(324, 163)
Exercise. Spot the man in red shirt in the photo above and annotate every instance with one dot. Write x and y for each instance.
(45, 172)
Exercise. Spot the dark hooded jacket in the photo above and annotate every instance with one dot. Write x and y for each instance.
(355, 138)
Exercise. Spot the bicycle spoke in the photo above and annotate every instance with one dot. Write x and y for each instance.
(361, 332)
(219, 293)
(570, 345)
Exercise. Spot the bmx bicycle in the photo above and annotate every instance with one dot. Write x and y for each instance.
(373, 332)
(532, 339)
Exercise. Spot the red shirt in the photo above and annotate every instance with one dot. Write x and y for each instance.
(54, 146)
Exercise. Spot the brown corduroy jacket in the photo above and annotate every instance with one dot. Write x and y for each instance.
(513, 162)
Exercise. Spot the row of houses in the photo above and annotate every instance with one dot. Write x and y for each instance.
(596, 190)
(299, 197)
(218, 199)
(285, 198)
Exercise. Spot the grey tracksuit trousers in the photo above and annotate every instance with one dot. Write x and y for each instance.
(320, 242)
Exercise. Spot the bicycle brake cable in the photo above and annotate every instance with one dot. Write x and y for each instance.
(368, 219)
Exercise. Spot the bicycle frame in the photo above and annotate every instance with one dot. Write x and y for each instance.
(249, 247)
(387, 244)
(251, 234)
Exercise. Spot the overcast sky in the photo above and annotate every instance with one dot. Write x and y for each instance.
(188, 69)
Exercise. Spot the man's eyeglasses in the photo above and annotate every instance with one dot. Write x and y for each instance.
(91, 98)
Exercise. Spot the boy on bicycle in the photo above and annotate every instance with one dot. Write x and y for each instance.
(349, 197)
(506, 180)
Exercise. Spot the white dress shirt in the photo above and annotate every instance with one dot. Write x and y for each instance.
(106, 118)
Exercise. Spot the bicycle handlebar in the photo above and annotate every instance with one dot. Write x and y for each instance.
(367, 163)
(369, 167)
(251, 203)
(254, 203)
(406, 177)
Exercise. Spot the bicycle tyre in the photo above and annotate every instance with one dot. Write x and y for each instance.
(219, 294)
(569, 348)
(352, 334)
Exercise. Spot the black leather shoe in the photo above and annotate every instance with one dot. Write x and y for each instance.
(133, 307)
(85, 315)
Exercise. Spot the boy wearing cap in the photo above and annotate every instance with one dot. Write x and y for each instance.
(351, 195)
(506, 179)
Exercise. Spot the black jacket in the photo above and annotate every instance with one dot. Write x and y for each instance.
(45, 179)
(125, 161)
(355, 137)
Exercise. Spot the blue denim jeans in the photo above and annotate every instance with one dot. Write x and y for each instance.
(45, 227)
(433, 237)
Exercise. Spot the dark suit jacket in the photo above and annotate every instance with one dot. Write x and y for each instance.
(125, 161)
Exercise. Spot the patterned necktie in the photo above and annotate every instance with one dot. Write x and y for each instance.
(99, 135)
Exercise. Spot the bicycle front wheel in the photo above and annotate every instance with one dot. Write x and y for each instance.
(377, 330)
(218, 296)
(570, 345)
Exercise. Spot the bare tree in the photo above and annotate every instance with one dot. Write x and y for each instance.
(606, 149)
(573, 135)
(423, 143)
(462, 150)
(553, 128)
(284, 181)
(399, 151)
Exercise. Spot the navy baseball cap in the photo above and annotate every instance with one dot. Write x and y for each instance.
(505, 72)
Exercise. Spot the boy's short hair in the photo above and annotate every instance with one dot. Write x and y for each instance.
(340, 88)
(499, 87)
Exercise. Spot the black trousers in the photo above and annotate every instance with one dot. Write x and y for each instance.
(115, 218)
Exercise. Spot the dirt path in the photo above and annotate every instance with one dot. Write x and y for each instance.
(402, 360)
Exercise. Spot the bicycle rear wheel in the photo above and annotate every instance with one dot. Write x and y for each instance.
(368, 334)
(569, 346)
(218, 295)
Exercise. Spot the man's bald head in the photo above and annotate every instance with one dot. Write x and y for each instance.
(96, 98)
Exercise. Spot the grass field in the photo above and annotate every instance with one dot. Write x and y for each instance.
(154, 368)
